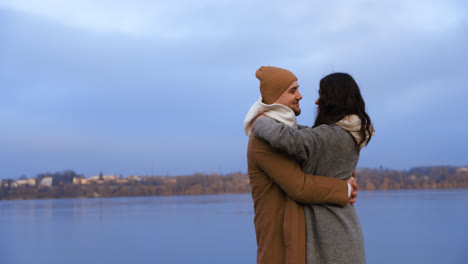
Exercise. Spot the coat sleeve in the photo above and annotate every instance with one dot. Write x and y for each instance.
(301, 187)
(302, 143)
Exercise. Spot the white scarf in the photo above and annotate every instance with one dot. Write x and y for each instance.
(352, 123)
(278, 112)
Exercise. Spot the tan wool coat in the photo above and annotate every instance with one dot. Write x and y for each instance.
(279, 188)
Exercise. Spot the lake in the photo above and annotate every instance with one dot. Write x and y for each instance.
(408, 226)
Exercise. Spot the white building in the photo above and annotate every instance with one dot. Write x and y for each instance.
(105, 178)
(133, 178)
(94, 178)
(30, 182)
(80, 181)
(46, 182)
(109, 178)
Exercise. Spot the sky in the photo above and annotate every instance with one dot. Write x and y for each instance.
(162, 87)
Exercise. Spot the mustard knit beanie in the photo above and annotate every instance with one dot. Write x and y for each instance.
(273, 82)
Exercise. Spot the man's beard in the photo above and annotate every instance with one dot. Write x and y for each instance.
(297, 111)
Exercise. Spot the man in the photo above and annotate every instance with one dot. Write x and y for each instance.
(278, 183)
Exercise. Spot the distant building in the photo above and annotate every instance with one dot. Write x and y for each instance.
(46, 182)
(105, 178)
(80, 181)
(8, 183)
(462, 170)
(170, 181)
(122, 181)
(94, 178)
(109, 178)
(30, 182)
(21, 182)
(133, 178)
(4, 183)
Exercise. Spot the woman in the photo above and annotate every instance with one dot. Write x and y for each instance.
(331, 147)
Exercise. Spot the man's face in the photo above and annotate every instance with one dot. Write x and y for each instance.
(291, 97)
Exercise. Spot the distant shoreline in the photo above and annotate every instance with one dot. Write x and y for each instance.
(71, 185)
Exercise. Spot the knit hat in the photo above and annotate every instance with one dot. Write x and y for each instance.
(273, 82)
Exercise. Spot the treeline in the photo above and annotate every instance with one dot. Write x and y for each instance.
(368, 179)
(416, 178)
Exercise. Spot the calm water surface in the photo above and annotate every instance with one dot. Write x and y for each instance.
(399, 227)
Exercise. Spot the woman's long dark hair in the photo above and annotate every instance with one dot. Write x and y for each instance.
(340, 96)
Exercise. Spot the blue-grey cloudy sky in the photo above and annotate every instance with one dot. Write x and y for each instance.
(163, 86)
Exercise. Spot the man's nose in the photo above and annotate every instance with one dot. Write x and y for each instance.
(299, 96)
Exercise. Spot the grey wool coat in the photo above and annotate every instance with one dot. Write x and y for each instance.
(333, 233)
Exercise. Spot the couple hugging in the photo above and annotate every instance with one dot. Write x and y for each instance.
(302, 177)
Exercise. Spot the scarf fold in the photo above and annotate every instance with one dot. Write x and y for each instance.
(278, 112)
(352, 124)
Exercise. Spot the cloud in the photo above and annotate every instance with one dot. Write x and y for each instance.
(138, 18)
(172, 81)
(208, 18)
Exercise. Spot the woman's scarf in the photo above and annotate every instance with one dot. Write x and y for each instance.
(352, 124)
